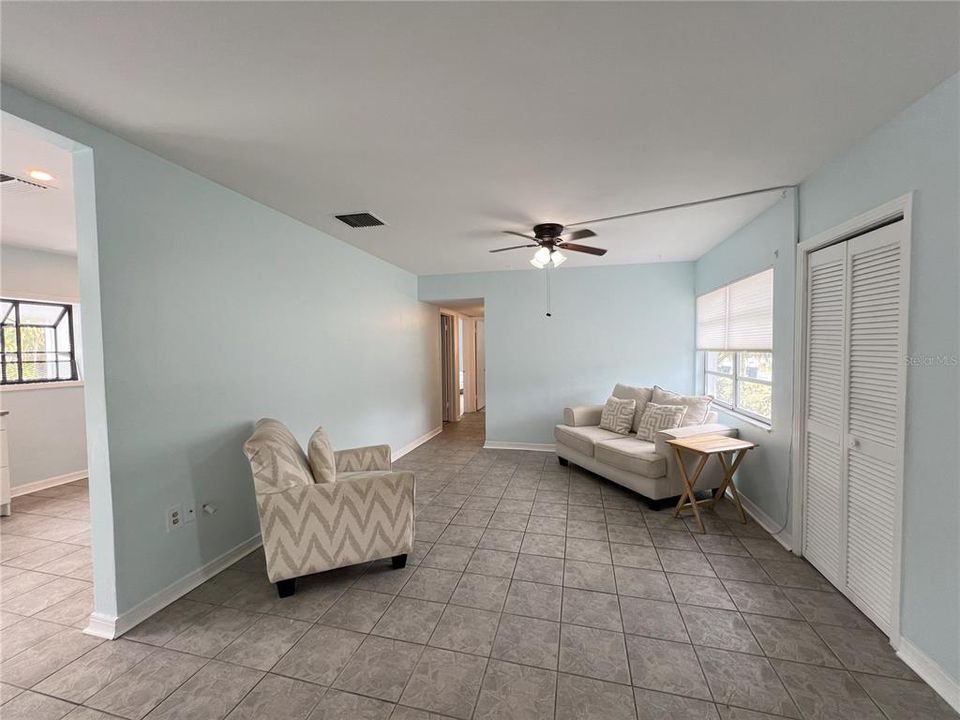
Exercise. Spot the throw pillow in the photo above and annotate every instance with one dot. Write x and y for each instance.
(698, 406)
(617, 415)
(659, 417)
(322, 461)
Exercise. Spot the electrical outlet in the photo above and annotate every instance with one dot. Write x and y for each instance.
(189, 514)
(174, 517)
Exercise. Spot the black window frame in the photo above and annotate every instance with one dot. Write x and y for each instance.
(66, 313)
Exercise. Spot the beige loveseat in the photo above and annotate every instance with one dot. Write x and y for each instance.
(649, 468)
(359, 511)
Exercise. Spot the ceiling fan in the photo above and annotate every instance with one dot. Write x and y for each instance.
(551, 238)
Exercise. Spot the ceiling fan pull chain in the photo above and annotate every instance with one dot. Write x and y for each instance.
(549, 308)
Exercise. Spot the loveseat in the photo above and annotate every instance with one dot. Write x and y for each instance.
(648, 468)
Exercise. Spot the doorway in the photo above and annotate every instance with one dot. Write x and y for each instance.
(462, 346)
(58, 535)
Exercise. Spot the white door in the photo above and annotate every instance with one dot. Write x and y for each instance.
(448, 369)
(856, 298)
(481, 366)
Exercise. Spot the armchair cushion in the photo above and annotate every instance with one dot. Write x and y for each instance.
(276, 459)
(582, 439)
(363, 516)
(371, 457)
(321, 457)
(632, 455)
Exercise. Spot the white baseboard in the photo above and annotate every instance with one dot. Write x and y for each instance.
(416, 443)
(108, 627)
(536, 447)
(31, 487)
(930, 672)
(765, 521)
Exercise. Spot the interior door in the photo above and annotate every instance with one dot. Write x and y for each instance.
(481, 365)
(446, 367)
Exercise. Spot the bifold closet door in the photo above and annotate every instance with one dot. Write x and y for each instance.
(853, 430)
(874, 442)
(823, 428)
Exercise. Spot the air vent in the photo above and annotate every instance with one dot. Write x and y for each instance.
(9, 185)
(360, 220)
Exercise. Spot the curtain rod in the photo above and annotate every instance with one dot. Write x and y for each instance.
(686, 204)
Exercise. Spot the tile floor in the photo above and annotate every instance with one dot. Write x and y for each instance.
(534, 592)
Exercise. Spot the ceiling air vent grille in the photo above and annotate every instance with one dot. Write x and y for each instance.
(360, 220)
(10, 184)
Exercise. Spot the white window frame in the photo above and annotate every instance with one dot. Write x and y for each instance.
(736, 377)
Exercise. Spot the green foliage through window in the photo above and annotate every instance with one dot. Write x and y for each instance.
(742, 381)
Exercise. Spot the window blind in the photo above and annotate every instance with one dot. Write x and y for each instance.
(738, 316)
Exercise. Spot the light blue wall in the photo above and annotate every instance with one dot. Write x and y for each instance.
(918, 150)
(768, 241)
(626, 323)
(217, 311)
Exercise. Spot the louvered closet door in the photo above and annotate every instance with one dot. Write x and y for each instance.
(876, 343)
(822, 456)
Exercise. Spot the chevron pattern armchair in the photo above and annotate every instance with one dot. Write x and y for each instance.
(333, 510)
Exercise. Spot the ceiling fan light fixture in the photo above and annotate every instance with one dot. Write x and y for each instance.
(558, 258)
(537, 264)
(542, 256)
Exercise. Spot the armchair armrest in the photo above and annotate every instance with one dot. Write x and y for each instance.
(582, 415)
(314, 528)
(363, 459)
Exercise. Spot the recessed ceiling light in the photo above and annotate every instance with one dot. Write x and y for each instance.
(41, 175)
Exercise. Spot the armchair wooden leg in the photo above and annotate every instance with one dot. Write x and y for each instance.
(286, 588)
(563, 461)
(399, 561)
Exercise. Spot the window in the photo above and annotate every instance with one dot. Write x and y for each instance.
(735, 335)
(38, 343)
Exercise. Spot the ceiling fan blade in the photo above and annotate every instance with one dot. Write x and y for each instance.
(578, 235)
(516, 247)
(518, 234)
(583, 248)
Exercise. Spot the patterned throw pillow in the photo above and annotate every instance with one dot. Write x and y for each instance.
(617, 415)
(659, 417)
(322, 460)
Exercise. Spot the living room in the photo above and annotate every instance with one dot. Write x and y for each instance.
(725, 160)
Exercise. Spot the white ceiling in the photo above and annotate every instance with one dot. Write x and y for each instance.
(453, 121)
(33, 218)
